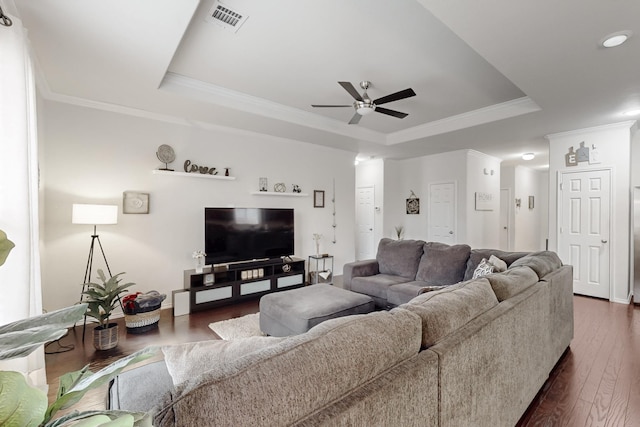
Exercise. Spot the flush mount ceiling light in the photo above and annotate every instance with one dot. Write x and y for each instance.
(528, 156)
(616, 39)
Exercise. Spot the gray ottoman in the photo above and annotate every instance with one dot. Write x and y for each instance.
(298, 310)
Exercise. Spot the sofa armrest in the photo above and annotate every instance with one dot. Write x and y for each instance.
(364, 268)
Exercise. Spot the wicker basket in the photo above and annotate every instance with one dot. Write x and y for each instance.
(142, 320)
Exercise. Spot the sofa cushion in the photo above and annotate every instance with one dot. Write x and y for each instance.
(443, 312)
(543, 262)
(477, 254)
(186, 361)
(512, 282)
(499, 264)
(375, 286)
(285, 382)
(442, 264)
(399, 257)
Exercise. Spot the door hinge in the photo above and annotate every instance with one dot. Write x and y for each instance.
(560, 186)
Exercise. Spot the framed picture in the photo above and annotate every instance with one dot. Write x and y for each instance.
(531, 202)
(318, 198)
(484, 201)
(135, 203)
(413, 206)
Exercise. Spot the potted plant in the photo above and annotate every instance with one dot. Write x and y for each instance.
(21, 404)
(102, 299)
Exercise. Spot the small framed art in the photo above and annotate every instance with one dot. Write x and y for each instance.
(135, 203)
(318, 198)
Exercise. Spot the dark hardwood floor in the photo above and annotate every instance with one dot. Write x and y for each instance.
(596, 382)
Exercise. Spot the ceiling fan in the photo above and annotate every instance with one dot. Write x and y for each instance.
(364, 105)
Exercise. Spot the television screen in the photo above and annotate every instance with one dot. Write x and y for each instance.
(245, 234)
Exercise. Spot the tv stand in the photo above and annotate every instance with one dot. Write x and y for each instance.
(230, 283)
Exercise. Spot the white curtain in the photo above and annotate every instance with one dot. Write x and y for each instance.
(20, 289)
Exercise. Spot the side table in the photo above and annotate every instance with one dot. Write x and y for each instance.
(321, 269)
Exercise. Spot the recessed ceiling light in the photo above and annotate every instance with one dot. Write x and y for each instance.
(616, 39)
(631, 113)
(528, 156)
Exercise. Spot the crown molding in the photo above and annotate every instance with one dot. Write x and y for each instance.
(206, 92)
(492, 113)
(629, 124)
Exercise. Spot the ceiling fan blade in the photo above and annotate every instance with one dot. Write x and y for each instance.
(393, 113)
(355, 119)
(407, 93)
(351, 89)
(332, 105)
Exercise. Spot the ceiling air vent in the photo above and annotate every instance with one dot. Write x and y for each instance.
(226, 17)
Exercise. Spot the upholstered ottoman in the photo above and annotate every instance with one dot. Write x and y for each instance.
(298, 310)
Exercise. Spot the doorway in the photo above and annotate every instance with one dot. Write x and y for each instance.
(365, 223)
(442, 213)
(585, 229)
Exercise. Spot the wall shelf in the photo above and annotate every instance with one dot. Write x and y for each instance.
(275, 193)
(192, 175)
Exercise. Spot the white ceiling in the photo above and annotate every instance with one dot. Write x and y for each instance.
(495, 76)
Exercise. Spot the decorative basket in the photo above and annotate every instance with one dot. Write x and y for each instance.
(140, 319)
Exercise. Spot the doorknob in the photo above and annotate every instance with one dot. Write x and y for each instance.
(504, 228)
(371, 229)
(603, 241)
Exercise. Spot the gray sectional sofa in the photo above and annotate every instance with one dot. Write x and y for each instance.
(474, 353)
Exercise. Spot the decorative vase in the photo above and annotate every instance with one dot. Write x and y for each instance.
(107, 338)
(318, 248)
(199, 265)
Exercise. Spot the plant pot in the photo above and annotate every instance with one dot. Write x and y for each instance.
(107, 338)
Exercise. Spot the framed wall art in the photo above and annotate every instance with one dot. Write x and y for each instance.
(134, 202)
(318, 198)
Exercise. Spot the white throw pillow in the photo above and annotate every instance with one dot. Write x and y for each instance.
(499, 264)
(483, 269)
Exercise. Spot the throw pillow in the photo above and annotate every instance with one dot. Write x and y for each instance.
(483, 269)
(399, 257)
(499, 264)
(185, 361)
(442, 264)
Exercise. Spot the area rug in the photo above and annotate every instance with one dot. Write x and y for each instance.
(239, 327)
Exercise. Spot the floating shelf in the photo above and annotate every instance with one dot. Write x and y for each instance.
(192, 175)
(276, 193)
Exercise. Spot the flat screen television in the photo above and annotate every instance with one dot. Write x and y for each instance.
(246, 234)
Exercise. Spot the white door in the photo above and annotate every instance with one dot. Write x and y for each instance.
(442, 213)
(505, 211)
(365, 218)
(583, 239)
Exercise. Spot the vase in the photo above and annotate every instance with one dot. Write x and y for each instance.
(317, 248)
(199, 265)
(107, 338)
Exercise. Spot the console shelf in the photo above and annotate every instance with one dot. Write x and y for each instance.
(227, 284)
(192, 175)
(276, 193)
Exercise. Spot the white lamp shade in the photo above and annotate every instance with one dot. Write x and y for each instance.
(94, 214)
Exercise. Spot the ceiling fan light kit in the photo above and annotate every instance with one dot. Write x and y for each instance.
(363, 105)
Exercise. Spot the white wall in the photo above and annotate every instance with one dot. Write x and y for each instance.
(92, 156)
(614, 144)
(483, 227)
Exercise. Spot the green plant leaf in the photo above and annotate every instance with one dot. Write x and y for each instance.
(5, 247)
(21, 404)
(136, 419)
(21, 338)
(93, 380)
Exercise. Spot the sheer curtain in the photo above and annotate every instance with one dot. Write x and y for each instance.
(20, 275)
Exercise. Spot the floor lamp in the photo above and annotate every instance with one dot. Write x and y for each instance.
(93, 215)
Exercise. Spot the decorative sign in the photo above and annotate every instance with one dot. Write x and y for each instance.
(134, 202)
(484, 201)
(413, 204)
(189, 167)
(581, 155)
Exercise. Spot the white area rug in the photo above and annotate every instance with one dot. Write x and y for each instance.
(240, 327)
